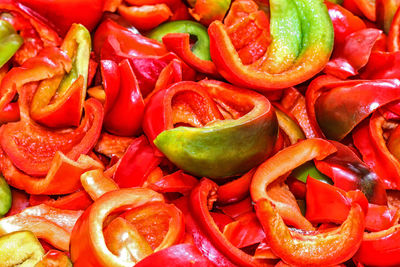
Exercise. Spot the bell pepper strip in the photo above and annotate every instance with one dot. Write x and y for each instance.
(97, 184)
(125, 241)
(288, 159)
(58, 102)
(131, 44)
(207, 11)
(235, 190)
(245, 231)
(344, 22)
(284, 64)
(382, 65)
(221, 220)
(369, 141)
(78, 200)
(236, 209)
(177, 182)
(337, 119)
(64, 13)
(17, 137)
(145, 17)
(125, 116)
(54, 258)
(51, 224)
(201, 200)
(380, 248)
(161, 224)
(295, 103)
(201, 48)
(297, 187)
(349, 58)
(110, 75)
(20, 248)
(135, 165)
(193, 148)
(10, 42)
(380, 218)
(97, 92)
(364, 8)
(175, 256)
(5, 197)
(88, 245)
(393, 41)
(385, 12)
(302, 172)
(289, 125)
(112, 145)
(179, 43)
(264, 251)
(20, 201)
(349, 172)
(312, 249)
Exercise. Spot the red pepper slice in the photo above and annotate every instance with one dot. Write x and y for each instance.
(177, 182)
(393, 41)
(235, 190)
(17, 139)
(280, 164)
(112, 145)
(313, 249)
(382, 65)
(20, 201)
(79, 200)
(145, 17)
(97, 184)
(54, 258)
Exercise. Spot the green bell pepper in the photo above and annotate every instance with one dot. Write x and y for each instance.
(10, 42)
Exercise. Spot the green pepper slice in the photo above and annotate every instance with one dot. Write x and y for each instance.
(10, 42)
(5, 196)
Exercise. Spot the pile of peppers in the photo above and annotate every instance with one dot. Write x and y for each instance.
(199, 133)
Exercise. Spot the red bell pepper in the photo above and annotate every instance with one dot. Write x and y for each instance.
(178, 182)
(51, 224)
(63, 13)
(145, 17)
(110, 74)
(54, 258)
(393, 41)
(17, 137)
(380, 217)
(136, 164)
(88, 246)
(385, 12)
(78, 200)
(124, 117)
(112, 145)
(382, 65)
(364, 8)
(235, 190)
(280, 164)
(20, 201)
(97, 184)
(313, 248)
(201, 200)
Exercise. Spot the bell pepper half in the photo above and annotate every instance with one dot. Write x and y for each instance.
(58, 102)
(295, 54)
(10, 42)
(267, 174)
(88, 245)
(312, 248)
(17, 138)
(207, 150)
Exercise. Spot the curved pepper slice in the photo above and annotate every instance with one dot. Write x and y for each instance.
(54, 258)
(88, 246)
(302, 41)
(312, 249)
(5, 197)
(252, 128)
(278, 165)
(97, 184)
(51, 224)
(10, 42)
(145, 17)
(393, 41)
(206, 11)
(24, 141)
(58, 102)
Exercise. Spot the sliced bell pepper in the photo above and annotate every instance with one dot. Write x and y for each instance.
(145, 17)
(10, 42)
(97, 184)
(236, 209)
(393, 41)
(20, 248)
(20, 201)
(112, 145)
(17, 139)
(235, 190)
(385, 12)
(312, 249)
(5, 197)
(289, 125)
(177, 182)
(296, 53)
(302, 172)
(88, 246)
(278, 165)
(193, 148)
(382, 65)
(58, 102)
(366, 8)
(54, 258)
(78, 200)
(51, 224)
(207, 11)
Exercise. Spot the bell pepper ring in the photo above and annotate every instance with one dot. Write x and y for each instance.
(296, 53)
(207, 151)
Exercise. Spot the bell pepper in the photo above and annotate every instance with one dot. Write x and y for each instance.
(207, 11)
(88, 246)
(235, 190)
(125, 116)
(112, 145)
(201, 200)
(364, 8)
(382, 65)
(312, 249)
(5, 197)
(175, 256)
(10, 42)
(58, 102)
(17, 137)
(380, 217)
(237, 209)
(97, 184)
(385, 12)
(359, 98)
(51, 224)
(294, 55)
(288, 123)
(145, 17)
(178, 181)
(369, 140)
(137, 162)
(78, 200)
(349, 172)
(54, 258)
(380, 248)
(20, 201)
(302, 172)
(63, 13)
(393, 41)
(20, 248)
(278, 165)
(193, 148)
